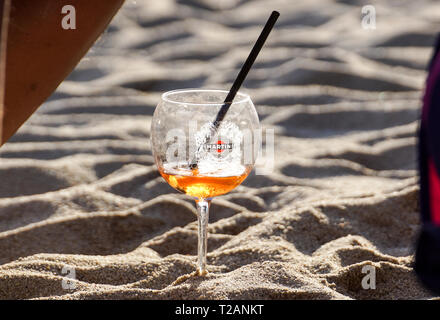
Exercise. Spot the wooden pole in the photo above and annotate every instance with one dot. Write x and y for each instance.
(5, 6)
(41, 52)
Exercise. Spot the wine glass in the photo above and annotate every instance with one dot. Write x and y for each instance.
(200, 158)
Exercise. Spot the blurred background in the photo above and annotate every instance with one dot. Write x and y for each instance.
(322, 74)
(344, 102)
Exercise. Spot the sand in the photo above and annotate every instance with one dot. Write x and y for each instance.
(79, 189)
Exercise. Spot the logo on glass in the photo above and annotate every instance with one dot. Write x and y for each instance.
(219, 147)
(225, 145)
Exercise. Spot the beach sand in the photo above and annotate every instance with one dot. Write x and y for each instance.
(79, 190)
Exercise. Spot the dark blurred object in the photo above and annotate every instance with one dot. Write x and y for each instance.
(40, 53)
(427, 264)
(4, 20)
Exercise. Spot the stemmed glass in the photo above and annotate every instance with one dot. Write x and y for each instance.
(197, 160)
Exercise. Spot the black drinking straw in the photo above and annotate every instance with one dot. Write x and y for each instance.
(241, 76)
(246, 67)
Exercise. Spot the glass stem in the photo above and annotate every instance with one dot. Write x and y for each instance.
(202, 217)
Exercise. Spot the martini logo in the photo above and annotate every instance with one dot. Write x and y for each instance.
(224, 145)
(219, 147)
